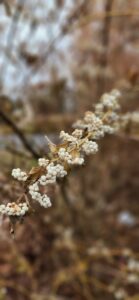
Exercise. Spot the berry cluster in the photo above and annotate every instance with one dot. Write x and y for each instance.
(72, 150)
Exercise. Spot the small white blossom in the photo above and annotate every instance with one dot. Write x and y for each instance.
(90, 147)
(19, 174)
(99, 108)
(108, 129)
(45, 201)
(60, 171)
(50, 179)
(56, 170)
(2, 209)
(34, 191)
(13, 209)
(35, 195)
(98, 134)
(93, 126)
(79, 124)
(66, 137)
(34, 187)
(64, 155)
(77, 133)
(94, 122)
(133, 265)
(43, 162)
(53, 171)
(90, 117)
(77, 161)
(120, 294)
(132, 278)
(110, 100)
(113, 117)
(43, 180)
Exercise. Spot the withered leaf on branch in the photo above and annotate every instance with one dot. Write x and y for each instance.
(53, 147)
(34, 174)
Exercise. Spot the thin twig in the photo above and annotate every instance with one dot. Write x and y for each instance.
(105, 39)
(19, 133)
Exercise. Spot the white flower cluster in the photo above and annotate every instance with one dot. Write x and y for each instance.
(109, 106)
(133, 278)
(93, 124)
(42, 162)
(64, 155)
(56, 170)
(14, 209)
(52, 173)
(108, 129)
(90, 147)
(105, 118)
(34, 192)
(43, 200)
(72, 138)
(47, 179)
(112, 117)
(77, 133)
(77, 161)
(67, 154)
(66, 137)
(19, 174)
(69, 158)
(109, 101)
(90, 118)
(120, 294)
(90, 122)
(133, 265)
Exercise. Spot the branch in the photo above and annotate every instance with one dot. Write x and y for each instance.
(19, 133)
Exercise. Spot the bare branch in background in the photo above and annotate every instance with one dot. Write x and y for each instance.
(7, 6)
(103, 57)
(19, 133)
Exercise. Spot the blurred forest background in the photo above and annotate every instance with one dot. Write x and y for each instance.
(57, 57)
